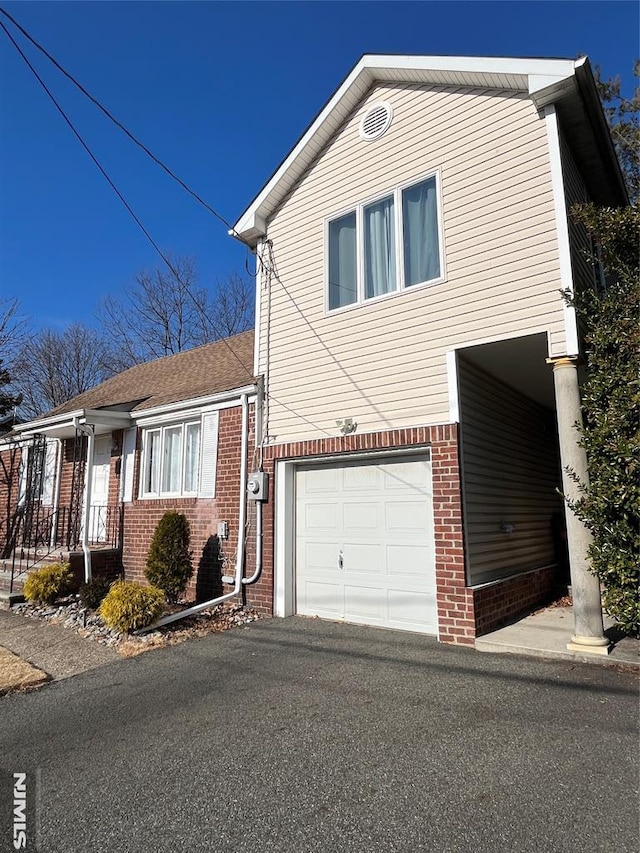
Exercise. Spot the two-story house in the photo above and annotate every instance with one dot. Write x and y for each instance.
(419, 361)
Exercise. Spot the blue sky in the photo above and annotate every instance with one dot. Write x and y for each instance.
(220, 92)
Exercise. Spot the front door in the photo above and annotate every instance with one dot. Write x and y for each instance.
(100, 489)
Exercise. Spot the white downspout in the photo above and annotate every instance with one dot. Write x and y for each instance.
(259, 441)
(56, 496)
(258, 569)
(88, 430)
(242, 514)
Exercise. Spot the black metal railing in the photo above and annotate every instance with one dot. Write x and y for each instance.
(41, 531)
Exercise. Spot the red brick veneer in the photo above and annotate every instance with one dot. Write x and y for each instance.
(496, 604)
(211, 559)
(454, 600)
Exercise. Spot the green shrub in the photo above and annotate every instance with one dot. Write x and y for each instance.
(169, 562)
(609, 503)
(48, 583)
(128, 606)
(92, 593)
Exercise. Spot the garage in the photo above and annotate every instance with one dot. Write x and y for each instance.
(364, 542)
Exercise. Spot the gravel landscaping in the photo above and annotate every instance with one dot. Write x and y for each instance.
(70, 613)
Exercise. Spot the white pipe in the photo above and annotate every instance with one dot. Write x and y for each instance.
(88, 430)
(258, 570)
(242, 514)
(56, 495)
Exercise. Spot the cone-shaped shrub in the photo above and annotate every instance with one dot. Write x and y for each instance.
(169, 562)
(128, 606)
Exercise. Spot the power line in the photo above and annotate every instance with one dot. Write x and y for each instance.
(120, 125)
(113, 186)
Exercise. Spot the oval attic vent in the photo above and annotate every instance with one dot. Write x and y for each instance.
(376, 121)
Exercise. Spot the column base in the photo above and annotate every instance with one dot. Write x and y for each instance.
(589, 645)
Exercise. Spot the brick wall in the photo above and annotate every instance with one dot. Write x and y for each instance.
(498, 603)
(211, 557)
(107, 562)
(9, 492)
(454, 601)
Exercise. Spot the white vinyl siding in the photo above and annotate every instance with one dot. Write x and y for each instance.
(579, 242)
(511, 472)
(383, 363)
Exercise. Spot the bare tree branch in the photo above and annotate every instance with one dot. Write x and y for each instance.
(163, 313)
(55, 367)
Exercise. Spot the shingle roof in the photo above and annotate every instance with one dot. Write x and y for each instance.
(209, 369)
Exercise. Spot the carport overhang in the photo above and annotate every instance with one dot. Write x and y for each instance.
(519, 362)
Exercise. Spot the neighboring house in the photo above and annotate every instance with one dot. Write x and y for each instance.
(91, 479)
(410, 331)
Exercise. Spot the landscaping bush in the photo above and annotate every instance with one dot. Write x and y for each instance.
(128, 606)
(92, 593)
(169, 562)
(46, 584)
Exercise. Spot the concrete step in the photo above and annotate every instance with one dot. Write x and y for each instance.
(5, 581)
(8, 599)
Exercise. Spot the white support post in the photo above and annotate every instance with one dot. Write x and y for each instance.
(587, 605)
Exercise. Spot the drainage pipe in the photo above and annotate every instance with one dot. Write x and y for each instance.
(242, 514)
(56, 494)
(89, 431)
(258, 570)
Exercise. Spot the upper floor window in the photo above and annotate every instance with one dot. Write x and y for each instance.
(385, 246)
(180, 459)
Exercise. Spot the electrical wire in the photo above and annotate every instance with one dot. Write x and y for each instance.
(122, 127)
(267, 265)
(113, 186)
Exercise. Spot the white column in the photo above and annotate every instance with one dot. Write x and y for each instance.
(587, 605)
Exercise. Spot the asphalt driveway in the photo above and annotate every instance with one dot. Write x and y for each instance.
(299, 735)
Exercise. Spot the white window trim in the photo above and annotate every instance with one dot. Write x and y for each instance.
(162, 429)
(395, 191)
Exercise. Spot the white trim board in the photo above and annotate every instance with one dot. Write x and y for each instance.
(562, 230)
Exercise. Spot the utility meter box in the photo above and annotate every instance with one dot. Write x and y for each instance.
(258, 486)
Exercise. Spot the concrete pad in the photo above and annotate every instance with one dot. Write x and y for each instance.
(547, 634)
(58, 651)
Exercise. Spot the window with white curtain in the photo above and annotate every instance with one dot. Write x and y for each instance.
(171, 459)
(385, 246)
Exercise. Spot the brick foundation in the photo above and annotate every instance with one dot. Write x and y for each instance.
(105, 563)
(498, 603)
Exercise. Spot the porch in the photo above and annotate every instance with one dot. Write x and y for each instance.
(42, 534)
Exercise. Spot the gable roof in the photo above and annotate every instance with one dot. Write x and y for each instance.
(567, 83)
(209, 369)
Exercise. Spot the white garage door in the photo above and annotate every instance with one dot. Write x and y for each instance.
(364, 543)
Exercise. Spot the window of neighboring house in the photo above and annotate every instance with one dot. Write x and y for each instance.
(172, 458)
(385, 246)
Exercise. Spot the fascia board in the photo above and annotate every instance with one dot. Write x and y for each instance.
(103, 416)
(195, 404)
(40, 425)
(372, 68)
(252, 223)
